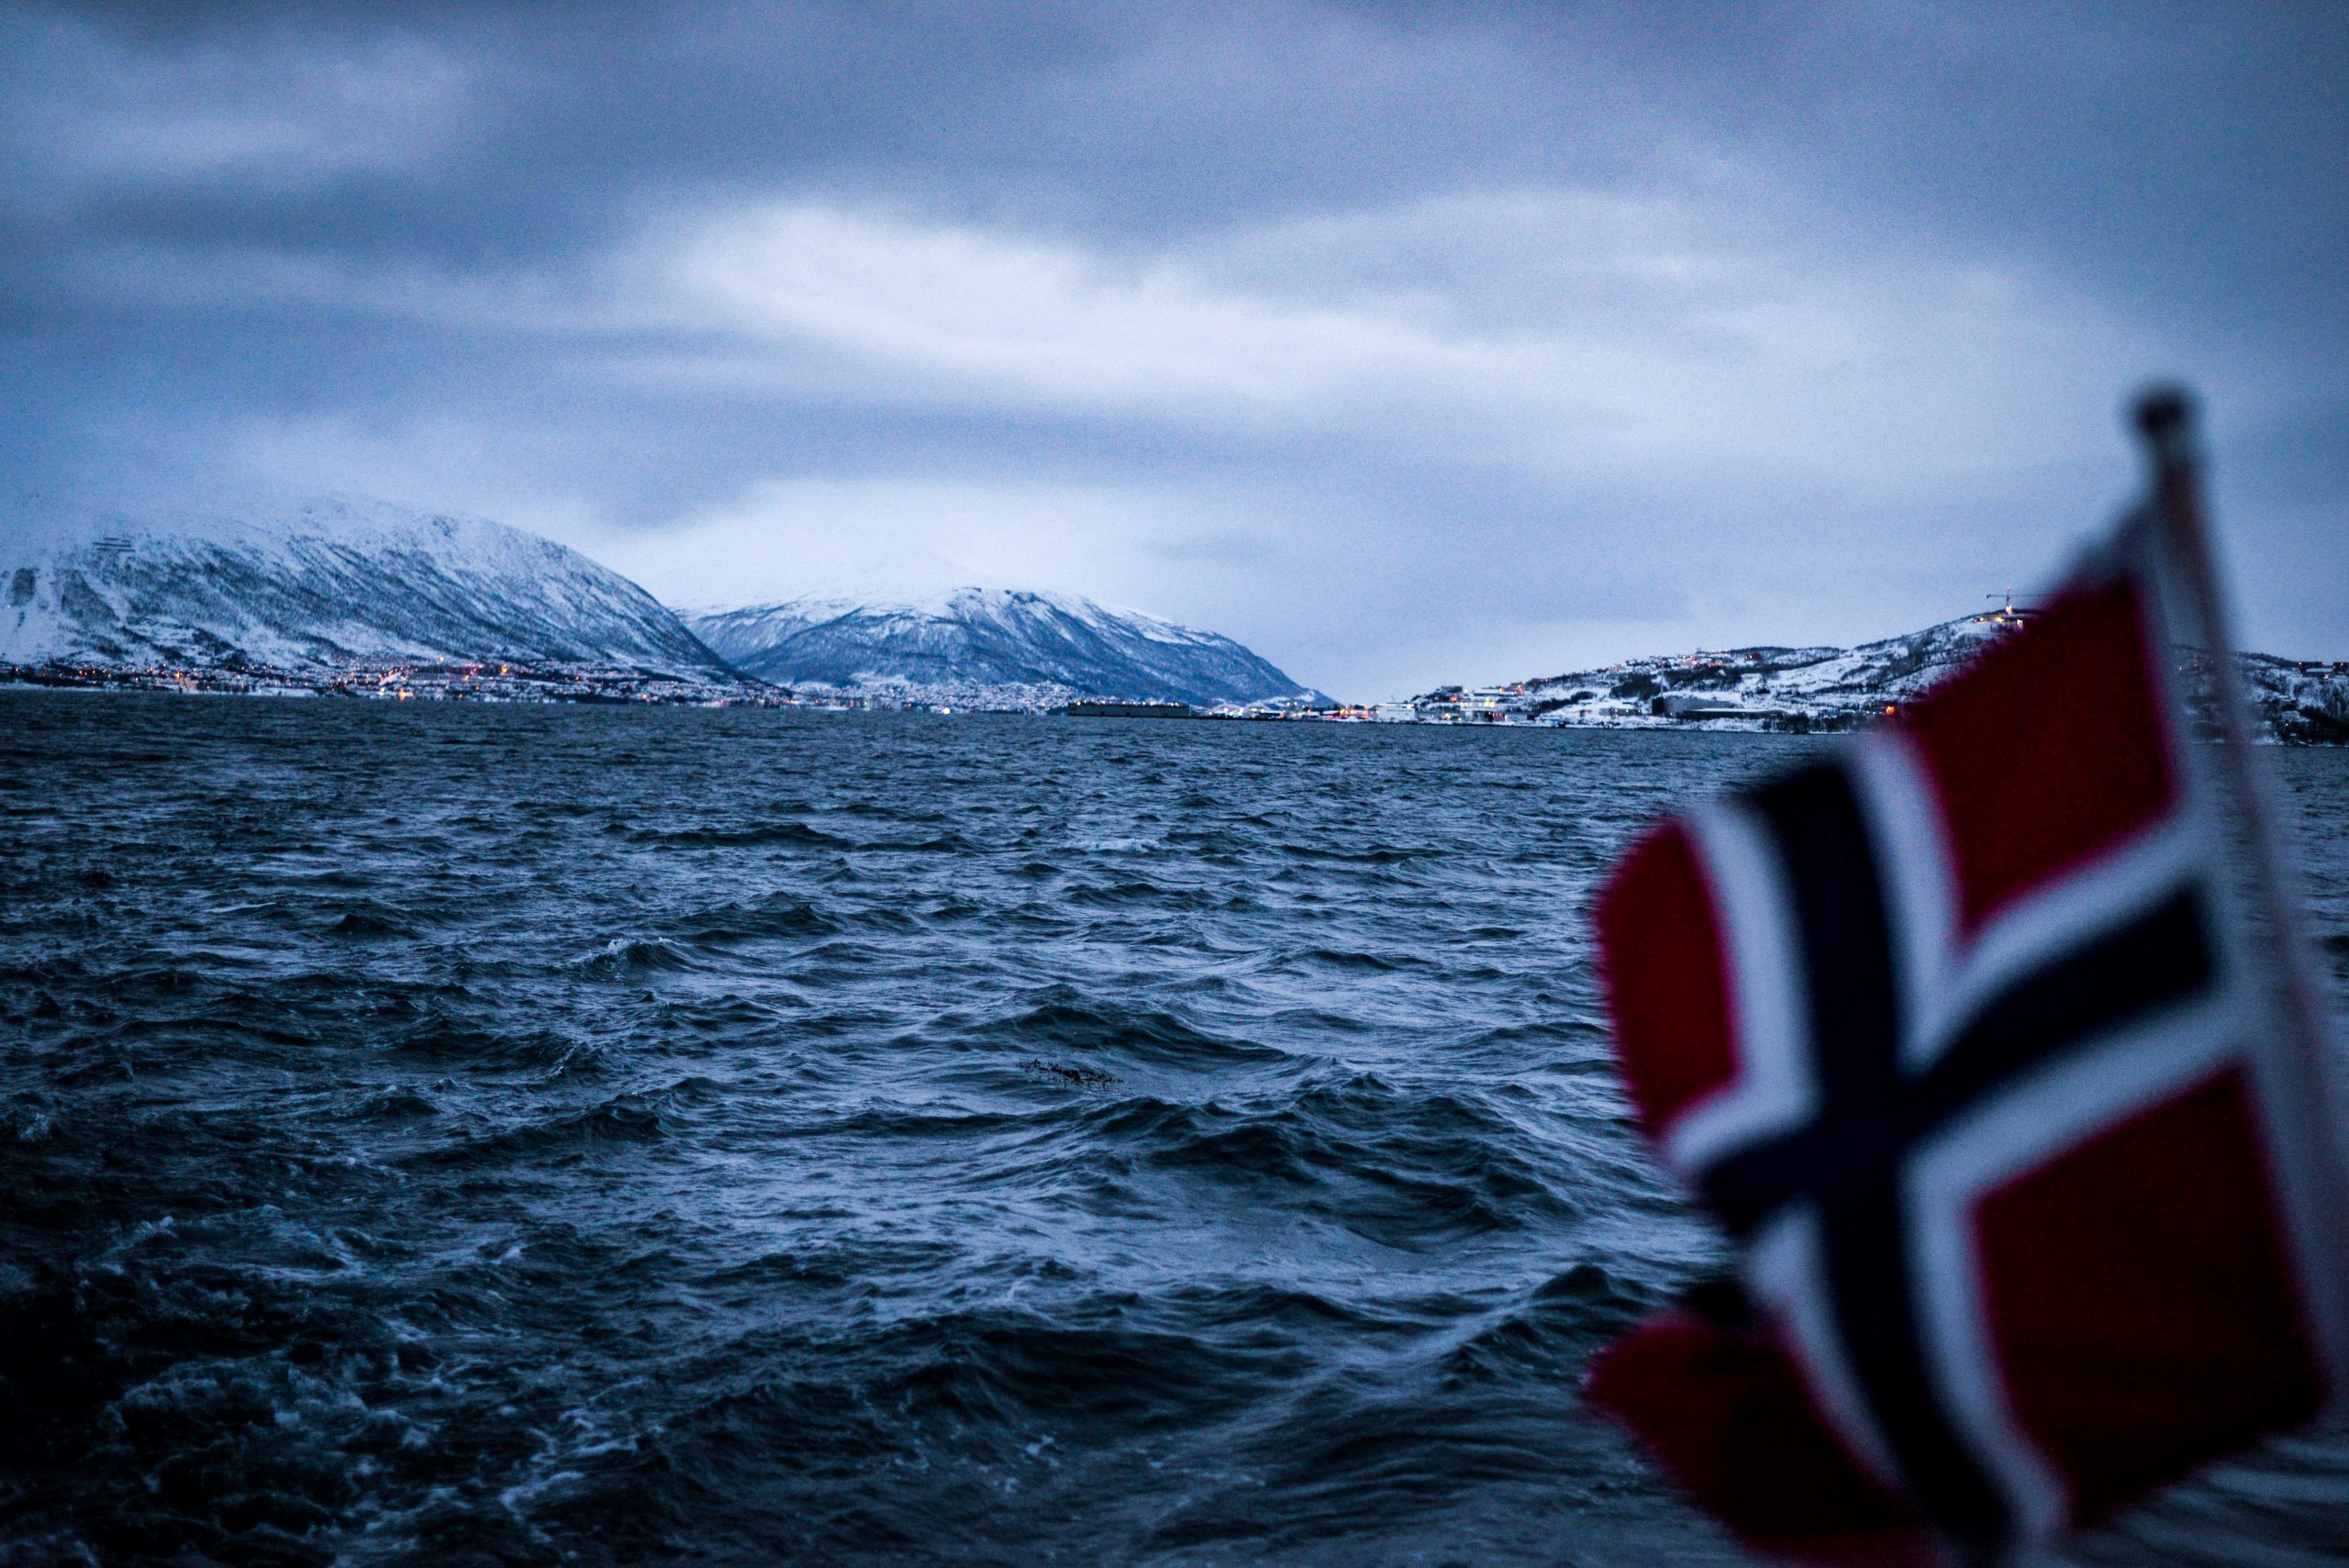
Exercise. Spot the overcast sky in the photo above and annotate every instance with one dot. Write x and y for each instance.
(1406, 344)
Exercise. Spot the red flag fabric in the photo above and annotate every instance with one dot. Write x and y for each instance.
(1962, 1036)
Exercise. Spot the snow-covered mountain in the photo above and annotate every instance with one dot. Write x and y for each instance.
(1026, 649)
(319, 585)
(1822, 686)
(1836, 688)
(2296, 699)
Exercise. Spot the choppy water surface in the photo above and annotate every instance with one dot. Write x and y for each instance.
(457, 1135)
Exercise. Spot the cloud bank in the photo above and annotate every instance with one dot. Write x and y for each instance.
(1404, 345)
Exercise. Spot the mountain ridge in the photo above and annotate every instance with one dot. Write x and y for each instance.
(1007, 646)
(1814, 688)
(320, 585)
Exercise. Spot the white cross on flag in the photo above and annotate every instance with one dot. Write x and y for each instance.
(2011, 1094)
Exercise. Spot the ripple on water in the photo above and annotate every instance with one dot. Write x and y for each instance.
(602, 1136)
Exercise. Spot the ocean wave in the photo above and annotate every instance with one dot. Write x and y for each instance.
(790, 834)
(622, 1136)
(1064, 1021)
(367, 921)
(631, 1119)
(622, 955)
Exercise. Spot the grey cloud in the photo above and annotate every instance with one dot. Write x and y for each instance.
(1404, 342)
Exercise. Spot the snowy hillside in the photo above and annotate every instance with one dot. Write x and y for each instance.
(2296, 699)
(320, 585)
(1836, 688)
(1026, 649)
(1790, 687)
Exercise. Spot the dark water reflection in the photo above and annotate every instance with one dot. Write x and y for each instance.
(534, 1135)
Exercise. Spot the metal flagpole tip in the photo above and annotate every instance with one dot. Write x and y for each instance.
(2165, 416)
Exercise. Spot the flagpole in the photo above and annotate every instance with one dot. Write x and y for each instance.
(2166, 417)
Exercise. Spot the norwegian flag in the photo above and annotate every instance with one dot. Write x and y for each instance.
(2011, 1098)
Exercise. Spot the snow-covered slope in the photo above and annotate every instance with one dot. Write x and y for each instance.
(1818, 684)
(1042, 645)
(2296, 699)
(1835, 688)
(319, 585)
(1775, 688)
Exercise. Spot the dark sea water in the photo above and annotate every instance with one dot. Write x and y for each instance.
(453, 1135)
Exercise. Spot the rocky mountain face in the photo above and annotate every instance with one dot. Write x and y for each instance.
(323, 586)
(992, 647)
